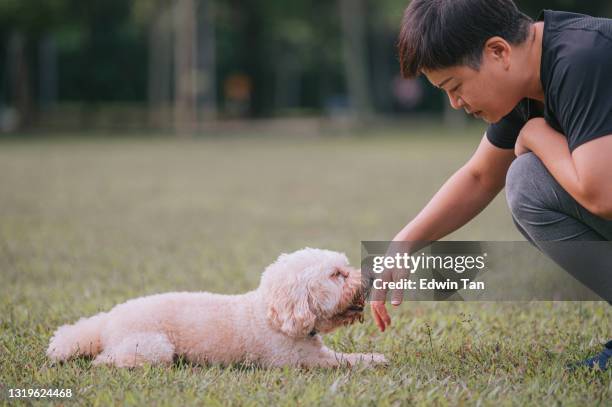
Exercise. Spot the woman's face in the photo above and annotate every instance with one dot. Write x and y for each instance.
(488, 93)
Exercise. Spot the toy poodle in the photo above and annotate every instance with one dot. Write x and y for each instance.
(301, 296)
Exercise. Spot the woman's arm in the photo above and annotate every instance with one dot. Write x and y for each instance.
(586, 174)
(459, 200)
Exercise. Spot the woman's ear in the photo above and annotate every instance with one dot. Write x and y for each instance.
(499, 50)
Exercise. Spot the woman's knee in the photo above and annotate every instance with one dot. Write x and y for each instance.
(525, 185)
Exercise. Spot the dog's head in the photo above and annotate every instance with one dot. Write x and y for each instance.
(312, 290)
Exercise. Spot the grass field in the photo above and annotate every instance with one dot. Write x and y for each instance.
(86, 223)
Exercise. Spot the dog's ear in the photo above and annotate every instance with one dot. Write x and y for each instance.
(289, 311)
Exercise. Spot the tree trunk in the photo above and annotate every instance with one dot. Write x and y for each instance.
(160, 69)
(382, 78)
(206, 61)
(48, 72)
(185, 63)
(287, 90)
(19, 78)
(352, 16)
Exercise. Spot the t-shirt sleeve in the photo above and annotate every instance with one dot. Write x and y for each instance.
(504, 133)
(584, 95)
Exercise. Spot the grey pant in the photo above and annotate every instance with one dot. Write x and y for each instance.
(545, 213)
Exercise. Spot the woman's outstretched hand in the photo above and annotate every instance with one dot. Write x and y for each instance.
(380, 314)
(387, 278)
(377, 303)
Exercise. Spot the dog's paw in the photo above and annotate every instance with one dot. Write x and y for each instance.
(369, 359)
(378, 359)
(59, 352)
(58, 355)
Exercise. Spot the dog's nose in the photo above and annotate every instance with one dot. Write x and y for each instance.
(365, 286)
(359, 288)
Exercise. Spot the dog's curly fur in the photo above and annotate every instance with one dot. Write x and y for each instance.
(301, 295)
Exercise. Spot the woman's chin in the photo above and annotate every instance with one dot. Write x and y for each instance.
(488, 119)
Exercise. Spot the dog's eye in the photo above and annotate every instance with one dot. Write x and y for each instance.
(337, 274)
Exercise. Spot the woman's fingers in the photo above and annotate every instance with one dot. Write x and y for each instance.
(377, 320)
(381, 317)
(397, 296)
(385, 315)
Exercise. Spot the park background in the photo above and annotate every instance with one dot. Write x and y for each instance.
(150, 146)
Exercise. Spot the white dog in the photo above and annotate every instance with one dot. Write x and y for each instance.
(300, 296)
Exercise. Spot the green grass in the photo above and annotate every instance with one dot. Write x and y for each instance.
(87, 223)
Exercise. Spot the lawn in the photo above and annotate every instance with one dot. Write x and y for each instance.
(88, 222)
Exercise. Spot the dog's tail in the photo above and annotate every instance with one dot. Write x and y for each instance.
(80, 338)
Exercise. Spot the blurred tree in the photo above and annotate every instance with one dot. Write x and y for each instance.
(206, 63)
(593, 7)
(353, 21)
(156, 15)
(311, 55)
(108, 60)
(292, 39)
(23, 24)
(181, 41)
(185, 68)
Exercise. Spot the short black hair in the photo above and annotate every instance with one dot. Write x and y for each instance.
(438, 34)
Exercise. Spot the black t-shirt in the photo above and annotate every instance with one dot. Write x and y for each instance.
(576, 74)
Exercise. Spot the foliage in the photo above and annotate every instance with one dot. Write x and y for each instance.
(32, 15)
(280, 45)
